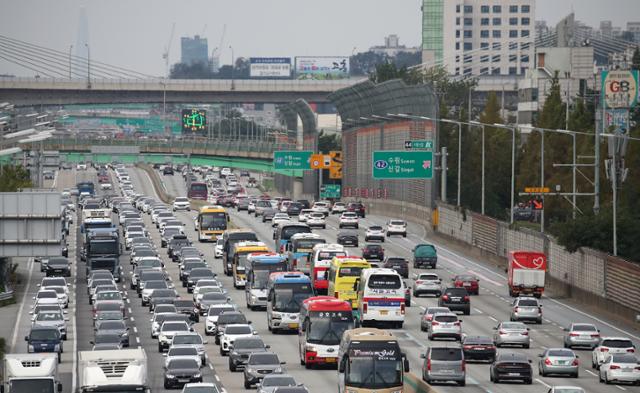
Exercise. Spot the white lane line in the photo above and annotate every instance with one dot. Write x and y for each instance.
(135, 329)
(211, 367)
(592, 373)
(216, 376)
(493, 319)
(542, 382)
(128, 301)
(22, 303)
(620, 387)
(138, 340)
(129, 309)
(478, 310)
(132, 319)
(497, 284)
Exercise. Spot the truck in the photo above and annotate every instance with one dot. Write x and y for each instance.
(102, 250)
(526, 270)
(95, 218)
(86, 187)
(123, 370)
(31, 372)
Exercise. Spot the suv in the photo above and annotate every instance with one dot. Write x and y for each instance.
(373, 251)
(397, 227)
(260, 364)
(168, 170)
(457, 299)
(356, 207)
(242, 348)
(427, 283)
(44, 339)
(398, 264)
(611, 346)
(444, 364)
(445, 325)
(526, 308)
(374, 232)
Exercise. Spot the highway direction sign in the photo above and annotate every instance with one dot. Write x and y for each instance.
(419, 144)
(330, 191)
(296, 159)
(388, 164)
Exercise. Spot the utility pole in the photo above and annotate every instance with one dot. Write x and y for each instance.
(443, 181)
(70, 48)
(88, 66)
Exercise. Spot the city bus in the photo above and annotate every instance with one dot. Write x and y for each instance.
(285, 293)
(380, 297)
(370, 360)
(229, 238)
(197, 190)
(343, 275)
(259, 267)
(239, 263)
(321, 257)
(299, 251)
(211, 222)
(323, 320)
(284, 231)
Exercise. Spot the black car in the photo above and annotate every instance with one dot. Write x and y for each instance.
(373, 251)
(305, 203)
(168, 170)
(294, 209)
(244, 174)
(457, 299)
(187, 307)
(180, 372)
(399, 264)
(58, 267)
(228, 318)
(356, 207)
(242, 348)
(177, 242)
(162, 296)
(478, 348)
(348, 239)
(511, 367)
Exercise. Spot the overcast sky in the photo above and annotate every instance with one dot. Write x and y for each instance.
(133, 33)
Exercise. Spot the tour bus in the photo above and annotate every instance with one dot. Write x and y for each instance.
(299, 250)
(343, 275)
(381, 297)
(259, 267)
(211, 222)
(230, 237)
(370, 360)
(285, 293)
(323, 320)
(239, 263)
(197, 190)
(284, 231)
(321, 257)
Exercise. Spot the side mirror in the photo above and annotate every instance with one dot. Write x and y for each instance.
(540, 355)
(165, 354)
(26, 338)
(341, 365)
(283, 363)
(59, 387)
(495, 328)
(66, 318)
(248, 322)
(566, 329)
(267, 346)
(205, 342)
(423, 356)
(92, 343)
(406, 365)
(255, 332)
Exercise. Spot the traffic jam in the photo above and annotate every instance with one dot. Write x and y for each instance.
(324, 279)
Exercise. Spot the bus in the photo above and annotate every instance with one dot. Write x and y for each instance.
(211, 222)
(259, 267)
(284, 231)
(299, 251)
(239, 263)
(381, 297)
(321, 257)
(343, 275)
(370, 360)
(86, 186)
(197, 190)
(230, 237)
(323, 320)
(285, 293)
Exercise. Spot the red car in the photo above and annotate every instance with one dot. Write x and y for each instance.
(467, 281)
(356, 207)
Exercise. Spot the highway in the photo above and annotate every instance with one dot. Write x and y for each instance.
(489, 308)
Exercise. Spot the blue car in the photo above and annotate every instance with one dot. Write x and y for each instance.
(44, 339)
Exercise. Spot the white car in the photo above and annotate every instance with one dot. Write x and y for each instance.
(339, 208)
(611, 346)
(316, 219)
(231, 333)
(620, 368)
(279, 218)
(304, 215)
(322, 207)
(218, 249)
(182, 353)
(349, 219)
(251, 207)
(81, 167)
(397, 227)
(212, 316)
(105, 186)
(181, 203)
(374, 232)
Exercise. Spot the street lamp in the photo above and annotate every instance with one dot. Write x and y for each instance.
(233, 66)
(88, 66)
(70, 48)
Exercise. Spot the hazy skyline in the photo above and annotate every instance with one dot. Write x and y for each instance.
(133, 34)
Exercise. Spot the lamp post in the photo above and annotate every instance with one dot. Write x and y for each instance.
(233, 66)
(459, 154)
(88, 66)
(70, 49)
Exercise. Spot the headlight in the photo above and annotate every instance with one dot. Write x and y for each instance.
(31, 348)
(278, 370)
(310, 348)
(276, 315)
(162, 337)
(169, 375)
(56, 347)
(253, 298)
(198, 375)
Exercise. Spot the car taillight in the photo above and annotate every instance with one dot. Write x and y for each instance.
(515, 309)
(466, 298)
(467, 346)
(281, 248)
(457, 323)
(631, 350)
(402, 309)
(464, 365)
(336, 294)
(435, 323)
(364, 308)
(575, 335)
(539, 310)
(419, 282)
(502, 332)
(445, 297)
(429, 364)
(637, 368)
(458, 283)
(575, 362)
(604, 349)
(547, 362)
(613, 367)
(294, 263)
(595, 335)
(525, 333)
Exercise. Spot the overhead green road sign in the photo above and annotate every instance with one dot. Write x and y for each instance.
(330, 191)
(295, 159)
(419, 144)
(389, 164)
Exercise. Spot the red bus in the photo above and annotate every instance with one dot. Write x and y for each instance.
(323, 320)
(321, 258)
(197, 190)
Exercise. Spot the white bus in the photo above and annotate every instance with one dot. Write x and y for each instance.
(381, 297)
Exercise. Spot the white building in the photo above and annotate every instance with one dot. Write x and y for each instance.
(392, 47)
(479, 37)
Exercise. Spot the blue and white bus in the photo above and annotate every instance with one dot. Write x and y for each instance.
(258, 268)
(285, 293)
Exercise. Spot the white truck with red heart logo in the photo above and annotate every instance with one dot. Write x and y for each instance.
(527, 271)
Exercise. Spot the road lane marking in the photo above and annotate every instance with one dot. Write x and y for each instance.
(492, 318)
(22, 303)
(216, 376)
(542, 382)
(592, 373)
(137, 340)
(135, 329)
(620, 387)
(478, 310)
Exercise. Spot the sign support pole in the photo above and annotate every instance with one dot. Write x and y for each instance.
(443, 181)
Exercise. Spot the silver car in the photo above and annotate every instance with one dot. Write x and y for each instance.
(511, 333)
(445, 326)
(444, 364)
(427, 283)
(582, 335)
(192, 340)
(428, 314)
(526, 309)
(52, 319)
(558, 361)
(272, 381)
(620, 368)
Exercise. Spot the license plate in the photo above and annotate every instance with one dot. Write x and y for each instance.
(384, 312)
(330, 360)
(513, 374)
(562, 362)
(183, 379)
(627, 370)
(43, 345)
(466, 284)
(57, 271)
(446, 371)
(396, 267)
(478, 349)
(293, 326)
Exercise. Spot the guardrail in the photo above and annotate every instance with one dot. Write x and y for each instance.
(6, 296)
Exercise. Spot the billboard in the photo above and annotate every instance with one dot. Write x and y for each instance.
(328, 67)
(194, 120)
(620, 88)
(269, 67)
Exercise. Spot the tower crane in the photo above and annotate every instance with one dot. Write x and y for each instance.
(167, 49)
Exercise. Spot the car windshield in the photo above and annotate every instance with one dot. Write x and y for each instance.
(584, 328)
(513, 326)
(183, 364)
(617, 343)
(44, 334)
(384, 281)
(327, 327)
(350, 271)
(374, 369)
(174, 327)
(264, 358)
(446, 354)
(425, 251)
(215, 311)
(156, 284)
(277, 380)
(560, 353)
(435, 310)
(478, 341)
(465, 277)
(248, 344)
(49, 316)
(182, 351)
(445, 318)
(528, 303)
(228, 319)
(397, 223)
(51, 294)
(375, 228)
(287, 300)
(163, 293)
(214, 295)
(165, 308)
(109, 296)
(112, 325)
(625, 359)
(237, 330)
(187, 339)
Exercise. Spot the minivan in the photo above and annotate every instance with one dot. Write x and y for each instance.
(444, 364)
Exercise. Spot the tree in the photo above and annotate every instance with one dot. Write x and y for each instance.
(364, 63)
(329, 142)
(14, 178)
(196, 70)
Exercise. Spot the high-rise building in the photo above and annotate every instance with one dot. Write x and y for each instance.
(468, 37)
(606, 28)
(194, 50)
(634, 29)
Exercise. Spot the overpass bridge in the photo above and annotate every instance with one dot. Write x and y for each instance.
(51, 91)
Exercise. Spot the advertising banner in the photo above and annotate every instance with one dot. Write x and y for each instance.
(620, 88)
(269, 67)
(321, 68)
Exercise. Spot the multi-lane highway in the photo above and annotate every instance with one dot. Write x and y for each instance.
(489, 308)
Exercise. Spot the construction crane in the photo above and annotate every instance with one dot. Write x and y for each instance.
(219, 47)
(167, 49)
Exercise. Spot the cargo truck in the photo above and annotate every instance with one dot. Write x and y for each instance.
(123, 371)
(526, 271)
(31, 372)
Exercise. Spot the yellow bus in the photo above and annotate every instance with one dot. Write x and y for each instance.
(211, 222)
(343, 275)
(239, 263)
